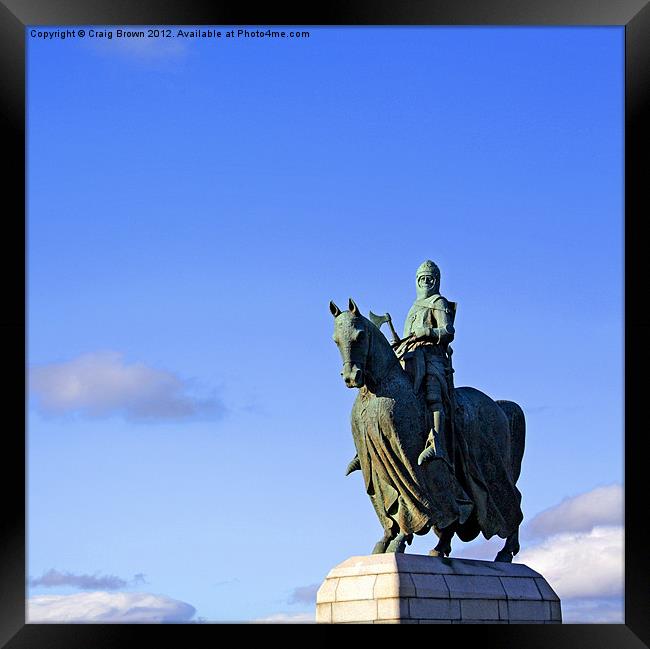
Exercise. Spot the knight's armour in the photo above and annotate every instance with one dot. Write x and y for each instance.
(434, 316)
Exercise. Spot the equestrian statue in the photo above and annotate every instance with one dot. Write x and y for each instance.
(433, 456)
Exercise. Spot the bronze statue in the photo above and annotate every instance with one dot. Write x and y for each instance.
(454, 472)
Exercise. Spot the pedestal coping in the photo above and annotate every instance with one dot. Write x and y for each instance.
(420, 563)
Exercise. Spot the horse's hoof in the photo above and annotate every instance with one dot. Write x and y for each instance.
(380, 546)
(435, 553)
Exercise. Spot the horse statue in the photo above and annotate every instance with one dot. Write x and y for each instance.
(389, 428)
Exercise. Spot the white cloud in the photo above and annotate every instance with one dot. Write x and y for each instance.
(585, 564)
(599, 611)
(602, 506)
(101, 606)
(56, 578)
(102, 383)
(288, 618)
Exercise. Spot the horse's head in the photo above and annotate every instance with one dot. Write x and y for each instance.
(351, 336)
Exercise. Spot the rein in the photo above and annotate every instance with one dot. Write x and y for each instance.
(362, 366)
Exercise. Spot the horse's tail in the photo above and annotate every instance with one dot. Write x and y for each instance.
(517, 423)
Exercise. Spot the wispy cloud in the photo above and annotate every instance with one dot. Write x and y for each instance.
(583, 564)
(595, 611)
(226, 582)
(54, 578)
(102, 606)
(288, 618)
(304, 595)
(601, 506)
(102, 384)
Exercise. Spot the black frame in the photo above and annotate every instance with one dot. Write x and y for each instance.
(633, 14)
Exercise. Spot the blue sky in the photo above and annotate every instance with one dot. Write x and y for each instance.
(192, 208)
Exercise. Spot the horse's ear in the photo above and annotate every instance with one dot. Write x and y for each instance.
(354, 309)
(334, 309)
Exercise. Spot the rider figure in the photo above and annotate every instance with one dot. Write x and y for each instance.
(428, 330)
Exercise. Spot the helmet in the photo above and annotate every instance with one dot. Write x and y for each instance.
(428, 268)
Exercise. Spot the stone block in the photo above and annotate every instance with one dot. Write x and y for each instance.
(503, 609)
(556, 611)
(394, 585)
(365, 565)
(519, 610)
(545, 590)
(479, 609)
(434, 609)
(520, 588)
(323, 613)
(430, 586)
(527, 622)
(420, 564)
(393, 608)
(396, 621)
(445, 566)
(434, 621)
(355, 588)
(360, 611)
(327, 591)
(480, 622)
(475, 587)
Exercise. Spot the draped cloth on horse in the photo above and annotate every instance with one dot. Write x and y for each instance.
(389, 434)
(485, 465)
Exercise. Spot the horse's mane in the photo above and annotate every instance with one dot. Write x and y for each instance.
(377, 332)
(380, 342)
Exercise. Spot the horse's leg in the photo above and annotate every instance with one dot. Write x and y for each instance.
(510, 548)
(382, 544)
(443, 549)
(398, 543)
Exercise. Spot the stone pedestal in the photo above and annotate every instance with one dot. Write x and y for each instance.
(418, 589)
